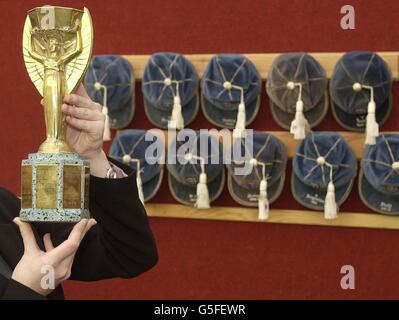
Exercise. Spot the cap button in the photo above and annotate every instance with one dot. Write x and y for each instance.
(395, 166)
(253, 162)
(188, 156)
(126, 159)
(321, 161)
(290, 85)
(97, 86)
(227, 85)
(167, 81)
(357, 87)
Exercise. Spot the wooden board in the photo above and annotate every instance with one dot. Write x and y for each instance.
(263, 61)
(354, 220)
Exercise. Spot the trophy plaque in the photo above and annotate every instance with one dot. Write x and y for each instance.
(57, 46)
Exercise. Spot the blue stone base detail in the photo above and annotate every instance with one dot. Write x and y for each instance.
(54, 215)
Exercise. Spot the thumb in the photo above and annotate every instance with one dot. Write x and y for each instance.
(28, 237)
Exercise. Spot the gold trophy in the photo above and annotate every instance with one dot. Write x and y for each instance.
(57, 46)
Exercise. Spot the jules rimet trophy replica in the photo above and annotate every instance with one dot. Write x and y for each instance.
(57, 46)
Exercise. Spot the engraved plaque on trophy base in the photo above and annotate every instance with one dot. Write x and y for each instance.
(55, 188)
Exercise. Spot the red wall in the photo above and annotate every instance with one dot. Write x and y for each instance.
(205, 259)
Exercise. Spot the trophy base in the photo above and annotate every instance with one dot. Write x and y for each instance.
(55, 188)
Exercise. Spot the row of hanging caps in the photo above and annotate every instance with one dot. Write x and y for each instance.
(330, 205)
(372, 129)
(299, 126)
(263, 201)
(107, 131)
(127, 159)
(202, 201)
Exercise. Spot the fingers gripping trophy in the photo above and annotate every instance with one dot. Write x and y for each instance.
(57, 46)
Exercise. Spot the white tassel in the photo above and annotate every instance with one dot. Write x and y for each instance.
(372, 130)
(107, 130)
(202, 193)
(127, 159)
(140, 188)
(299, 126)
(263, 201)
(239, 131)
(177, 120)
(330, 206)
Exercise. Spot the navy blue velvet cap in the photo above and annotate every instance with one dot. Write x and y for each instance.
(349, 106)
(269, 151)
(116, 74)
(222, 77)
(299, 68)
(166, 75)
(133, 146)
(184, 172)
(379, 175)
(316, 156)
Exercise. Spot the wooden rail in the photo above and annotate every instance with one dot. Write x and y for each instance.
(263, 61)
(304, 217)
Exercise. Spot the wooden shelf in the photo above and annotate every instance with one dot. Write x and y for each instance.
(263, 62)
(303, 217)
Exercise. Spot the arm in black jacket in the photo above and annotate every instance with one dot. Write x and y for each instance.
(121, 244)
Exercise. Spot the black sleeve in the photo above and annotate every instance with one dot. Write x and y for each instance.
(10, 206)
(17, 291)
(121, 244)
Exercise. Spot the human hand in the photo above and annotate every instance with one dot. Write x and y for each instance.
(85, 124)
(29, 269)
